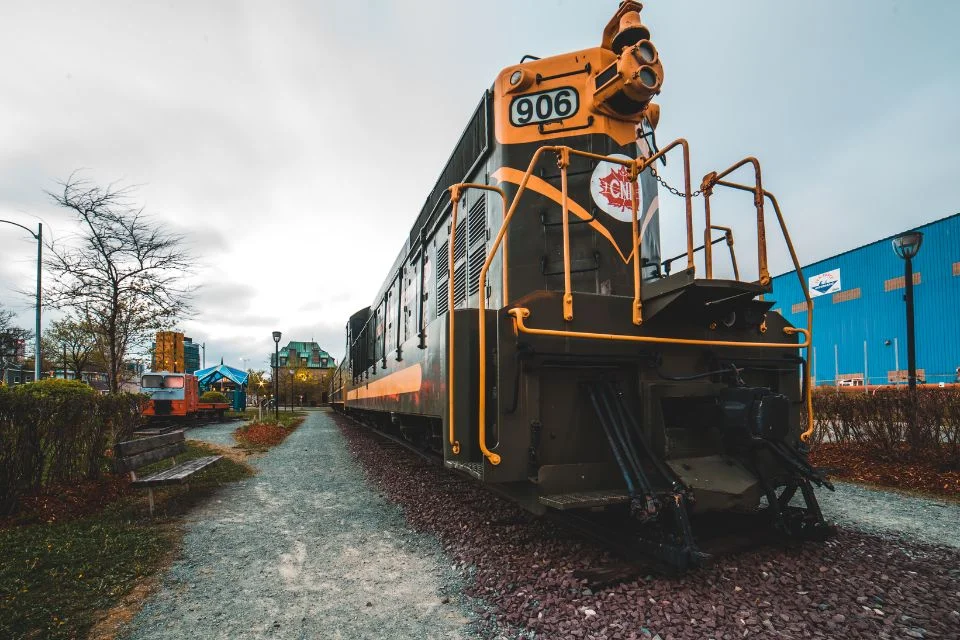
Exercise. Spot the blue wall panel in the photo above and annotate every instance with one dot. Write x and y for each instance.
(878, 316)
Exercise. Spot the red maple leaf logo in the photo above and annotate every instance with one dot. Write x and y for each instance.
(617, 189)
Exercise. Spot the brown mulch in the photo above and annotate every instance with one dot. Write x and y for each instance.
(260, 435)
(928, 474)
(68, 502)
(525, 572)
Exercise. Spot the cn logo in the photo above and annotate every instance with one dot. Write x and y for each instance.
(612, 191)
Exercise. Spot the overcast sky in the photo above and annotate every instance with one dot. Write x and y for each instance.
(283, 137)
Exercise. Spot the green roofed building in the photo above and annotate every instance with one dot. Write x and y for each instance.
(305, 355)
(304, 371)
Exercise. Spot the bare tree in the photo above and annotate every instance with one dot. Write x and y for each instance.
(76, 341)
(124, 275)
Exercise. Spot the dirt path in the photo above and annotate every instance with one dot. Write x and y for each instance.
(304, 550)
(891, 513)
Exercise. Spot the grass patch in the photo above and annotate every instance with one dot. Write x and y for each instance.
(57, 577)
(224, 471)
(260, 436)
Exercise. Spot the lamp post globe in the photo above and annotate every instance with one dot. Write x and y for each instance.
(276, 380)
(907, 246)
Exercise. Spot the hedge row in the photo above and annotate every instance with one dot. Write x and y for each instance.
(58, 431)
(890, 421)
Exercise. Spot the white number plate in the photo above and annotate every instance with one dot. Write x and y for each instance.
(546, 106)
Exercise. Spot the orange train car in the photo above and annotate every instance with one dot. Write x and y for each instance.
(176, 397)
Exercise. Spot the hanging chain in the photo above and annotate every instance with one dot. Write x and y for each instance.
(666, 186)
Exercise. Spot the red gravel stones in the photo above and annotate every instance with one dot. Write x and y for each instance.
(852, 586)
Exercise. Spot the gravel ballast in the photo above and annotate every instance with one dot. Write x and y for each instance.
(855, 585)
(304, 549)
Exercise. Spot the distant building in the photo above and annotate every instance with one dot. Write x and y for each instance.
(304, 362)
(859, 318)
(191, 355)
(172, 351)
(306, 355)
(17, 375)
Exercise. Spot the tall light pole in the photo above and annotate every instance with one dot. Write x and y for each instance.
(907, 246)
(39, 238)
(276, 379)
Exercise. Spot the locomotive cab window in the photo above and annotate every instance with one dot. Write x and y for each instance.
(152, 382)
(173, 382)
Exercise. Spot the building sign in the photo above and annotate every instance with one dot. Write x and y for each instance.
(824, 283)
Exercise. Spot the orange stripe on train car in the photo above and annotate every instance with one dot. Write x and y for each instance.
(407, 380)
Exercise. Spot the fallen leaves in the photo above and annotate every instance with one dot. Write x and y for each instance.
(923, 474)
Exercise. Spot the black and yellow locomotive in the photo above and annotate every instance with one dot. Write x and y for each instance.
(530, 333)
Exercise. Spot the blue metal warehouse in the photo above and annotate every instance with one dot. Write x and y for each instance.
(859, 317)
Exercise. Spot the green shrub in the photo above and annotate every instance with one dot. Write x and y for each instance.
(58, 431)
(213, 396)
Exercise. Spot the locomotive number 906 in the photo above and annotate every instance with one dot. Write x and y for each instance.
(534, 108)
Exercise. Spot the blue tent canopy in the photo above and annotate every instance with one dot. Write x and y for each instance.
(210, 375)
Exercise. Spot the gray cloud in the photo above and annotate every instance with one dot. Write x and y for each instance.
(280, 137)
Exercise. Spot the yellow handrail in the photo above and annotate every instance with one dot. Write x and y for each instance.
(636, 167)
(712, 179)
(803, 287)
(456, 192)
(708, 249)
(520, 313)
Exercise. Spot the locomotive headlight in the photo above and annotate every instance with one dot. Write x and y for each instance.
(625, 86)
(518, 80)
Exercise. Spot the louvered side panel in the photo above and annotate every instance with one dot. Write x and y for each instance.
(478, 221)
(460, 286)
(460, 245)
(478, 255)
(443, 263)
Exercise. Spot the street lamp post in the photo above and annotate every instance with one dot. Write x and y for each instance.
(276, 379)
(39, 238)
(907, 245)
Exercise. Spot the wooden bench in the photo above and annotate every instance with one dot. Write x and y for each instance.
(133, 454)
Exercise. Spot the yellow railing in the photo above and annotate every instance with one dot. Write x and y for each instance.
(456, 192)
(636, 167)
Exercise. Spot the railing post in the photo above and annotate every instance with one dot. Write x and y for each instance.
(455, 194)
(563, 161)
(634, 205)
(706, 187)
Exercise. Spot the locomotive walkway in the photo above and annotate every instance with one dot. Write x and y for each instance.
(304, 549)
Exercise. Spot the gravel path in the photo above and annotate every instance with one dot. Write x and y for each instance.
(220, 433)
(890, 513)
(303, 550)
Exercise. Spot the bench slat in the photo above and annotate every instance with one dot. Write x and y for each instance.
(133, 447)
(148, 457)
(177, 474)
